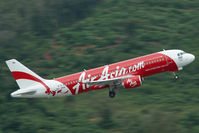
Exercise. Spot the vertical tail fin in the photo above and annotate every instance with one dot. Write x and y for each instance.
(23, 76)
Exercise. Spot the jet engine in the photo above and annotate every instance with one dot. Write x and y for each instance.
(132, 82)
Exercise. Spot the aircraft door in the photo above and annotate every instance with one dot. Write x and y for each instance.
(180, 59)
(168, 60)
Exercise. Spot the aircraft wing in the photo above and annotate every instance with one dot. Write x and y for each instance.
(113, 81)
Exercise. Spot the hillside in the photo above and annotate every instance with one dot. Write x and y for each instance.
(56, 38)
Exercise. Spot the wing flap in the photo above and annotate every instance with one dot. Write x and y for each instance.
(107, 81)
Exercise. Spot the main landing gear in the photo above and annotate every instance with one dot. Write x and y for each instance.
(112, 94)
(112, 91)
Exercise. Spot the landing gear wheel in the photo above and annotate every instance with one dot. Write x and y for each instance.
(111, 94)
(176, 77)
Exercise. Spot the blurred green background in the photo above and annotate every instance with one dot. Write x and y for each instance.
(56, 38)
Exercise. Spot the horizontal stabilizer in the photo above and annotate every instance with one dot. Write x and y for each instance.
(21, 92)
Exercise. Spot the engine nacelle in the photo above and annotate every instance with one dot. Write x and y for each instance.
(132, 82)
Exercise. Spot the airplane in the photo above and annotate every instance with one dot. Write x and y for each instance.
(125, 74)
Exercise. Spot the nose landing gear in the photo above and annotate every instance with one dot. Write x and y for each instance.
(175, 76)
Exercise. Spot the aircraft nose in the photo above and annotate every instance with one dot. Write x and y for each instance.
(191, 57)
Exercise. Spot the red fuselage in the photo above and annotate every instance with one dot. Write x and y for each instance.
(144, 66)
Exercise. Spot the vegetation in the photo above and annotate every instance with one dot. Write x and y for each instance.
(55, 38)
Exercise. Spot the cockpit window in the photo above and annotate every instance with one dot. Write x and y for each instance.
(181, 53)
